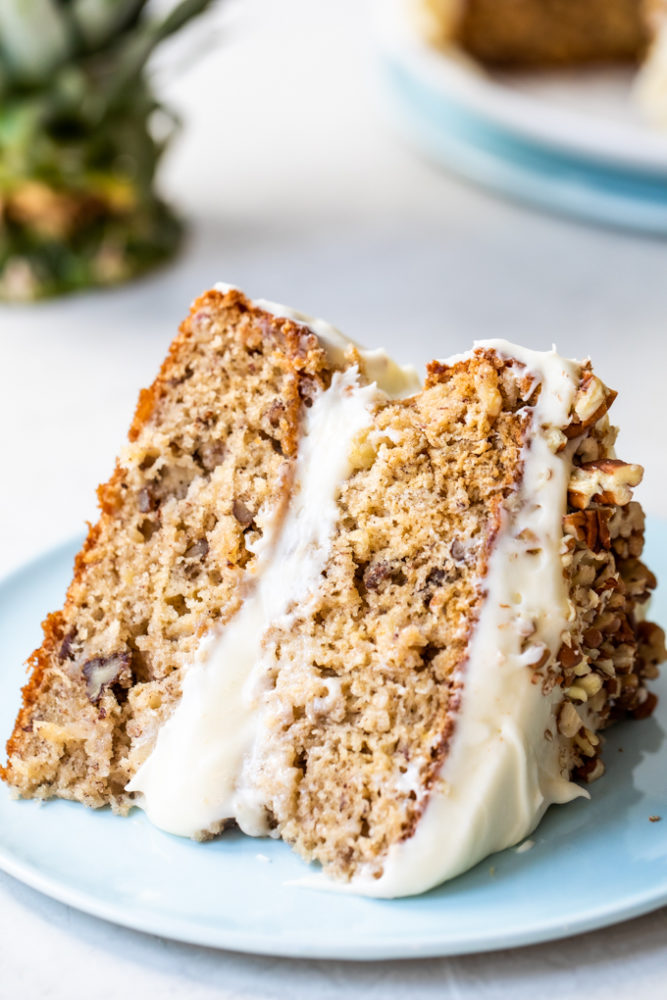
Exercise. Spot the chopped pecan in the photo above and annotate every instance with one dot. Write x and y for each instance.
(592, 638)
(569, 722)
(65, 652)
(569, 656)
(646, 707)
(242, 514)
(607, 481)
(591, 683)
(603, 515)
(637, 578)
(146, 500)
(383, 571)
(590, 527)
(590, 770)
(275, 412)
(211, 455)
(592, 401)
(651, 640)
(198, 550)
(104, 671)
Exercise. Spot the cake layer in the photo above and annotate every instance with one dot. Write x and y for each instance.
(209, 460)
(505, 765)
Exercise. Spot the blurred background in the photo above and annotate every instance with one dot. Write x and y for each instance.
(298, 188)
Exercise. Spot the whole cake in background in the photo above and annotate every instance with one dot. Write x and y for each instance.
(535, 34)
(81, 137)
(386, 623)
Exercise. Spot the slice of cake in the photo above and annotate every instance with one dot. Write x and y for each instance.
(535, 34)
(540, 32)
(384, 623)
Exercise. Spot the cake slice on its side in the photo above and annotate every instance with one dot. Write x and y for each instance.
(387, 628)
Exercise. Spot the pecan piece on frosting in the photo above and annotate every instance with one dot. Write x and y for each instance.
(590, 526)
(592, 401)
(592, 769)
(607, 481)
(569, 721)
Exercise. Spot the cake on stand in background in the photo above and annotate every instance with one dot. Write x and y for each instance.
(534, 34)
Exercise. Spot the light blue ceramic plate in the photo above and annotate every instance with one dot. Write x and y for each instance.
(574, 164)
(592, 864)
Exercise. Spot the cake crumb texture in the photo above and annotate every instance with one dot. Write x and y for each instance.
(366, 685)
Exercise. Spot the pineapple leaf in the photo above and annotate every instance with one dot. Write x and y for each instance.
(99, 21)
(145, 38)
(34, 38)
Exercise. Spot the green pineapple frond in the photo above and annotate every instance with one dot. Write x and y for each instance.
(77, 152)
(145, 39)
(34, 39)
(98, 21)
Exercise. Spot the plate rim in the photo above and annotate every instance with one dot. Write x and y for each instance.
(341, 949)
(527, 174)
(458, 79)
(295, 944)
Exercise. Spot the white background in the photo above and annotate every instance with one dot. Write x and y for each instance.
(297, 191)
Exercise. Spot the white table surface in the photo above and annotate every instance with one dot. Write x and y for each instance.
(298, 192)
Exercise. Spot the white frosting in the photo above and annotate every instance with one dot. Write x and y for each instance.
(191, 780)
(502, 772)
(394, 379)
(439, 20)
(651, 81)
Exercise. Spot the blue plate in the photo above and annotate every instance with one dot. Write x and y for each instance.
(592, 863)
